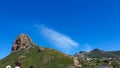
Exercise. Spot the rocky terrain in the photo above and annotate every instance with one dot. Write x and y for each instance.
(21, 42)
(30, 54)
(26, 53)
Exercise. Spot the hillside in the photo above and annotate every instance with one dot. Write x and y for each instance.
(26, 53)
(47, 59)
(30, 54)
(97, 53)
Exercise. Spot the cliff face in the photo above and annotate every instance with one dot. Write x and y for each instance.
(21, 42)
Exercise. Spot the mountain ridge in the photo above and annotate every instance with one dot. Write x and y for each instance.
(98, 53)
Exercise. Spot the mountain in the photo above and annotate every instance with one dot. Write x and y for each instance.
(97, 53)
(27, 53)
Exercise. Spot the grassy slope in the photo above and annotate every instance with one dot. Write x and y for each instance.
(49, 58)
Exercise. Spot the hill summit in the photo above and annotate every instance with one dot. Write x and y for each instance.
(21, 42)
(29, 54)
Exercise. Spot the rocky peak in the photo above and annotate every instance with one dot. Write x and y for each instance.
(21, 42)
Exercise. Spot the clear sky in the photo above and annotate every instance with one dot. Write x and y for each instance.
(66, 25)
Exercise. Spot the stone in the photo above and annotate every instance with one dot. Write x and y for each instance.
(21, 42)
(41, 49)
(76, 62)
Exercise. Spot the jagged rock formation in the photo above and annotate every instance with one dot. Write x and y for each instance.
(21, 42)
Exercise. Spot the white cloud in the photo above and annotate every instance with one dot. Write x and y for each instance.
(61, 41)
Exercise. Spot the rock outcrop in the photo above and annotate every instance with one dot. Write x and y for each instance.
(76, 62)
(21, 42)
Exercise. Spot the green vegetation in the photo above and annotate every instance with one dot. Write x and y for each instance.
(115, 64)
(49, 58)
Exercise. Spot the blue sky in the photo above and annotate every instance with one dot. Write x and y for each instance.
(72, 25)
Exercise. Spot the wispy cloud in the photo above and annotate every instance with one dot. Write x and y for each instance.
(61, 41)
